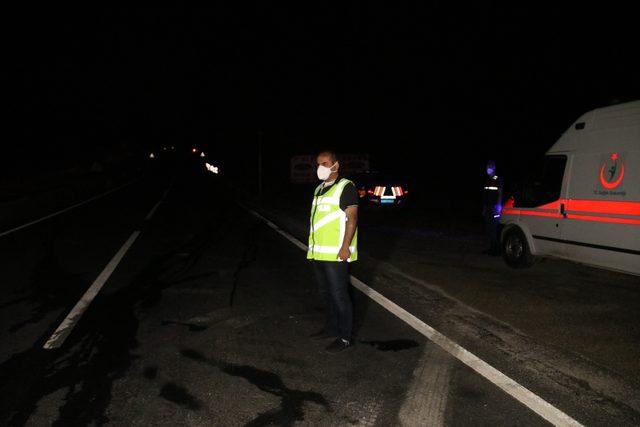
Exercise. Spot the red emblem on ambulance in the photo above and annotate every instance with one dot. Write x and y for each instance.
(612, 172)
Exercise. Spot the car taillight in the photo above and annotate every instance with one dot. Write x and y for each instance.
(370, 191)
(399, 191)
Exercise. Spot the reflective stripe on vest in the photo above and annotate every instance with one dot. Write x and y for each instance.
(332, 250)
(328, 224)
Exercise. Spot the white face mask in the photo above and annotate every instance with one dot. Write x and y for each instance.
(324, 172)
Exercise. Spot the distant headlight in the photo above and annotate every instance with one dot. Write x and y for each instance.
(211, 168)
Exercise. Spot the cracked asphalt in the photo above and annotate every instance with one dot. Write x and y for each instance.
(206, 322)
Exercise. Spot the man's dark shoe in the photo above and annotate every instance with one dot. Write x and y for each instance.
(320, 335)
(340, 344)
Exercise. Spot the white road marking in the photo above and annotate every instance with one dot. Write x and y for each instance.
(531, 400)
(286, 235)
(426, 399)
(162, 199)
(4, 233)
(67, 325)
(153, 210)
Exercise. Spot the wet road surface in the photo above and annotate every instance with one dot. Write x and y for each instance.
(206, 322)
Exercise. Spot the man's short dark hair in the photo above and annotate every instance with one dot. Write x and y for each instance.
(330, 153)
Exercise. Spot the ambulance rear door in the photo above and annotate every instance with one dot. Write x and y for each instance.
(602, 208)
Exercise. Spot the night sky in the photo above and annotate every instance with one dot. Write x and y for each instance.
(425, 88)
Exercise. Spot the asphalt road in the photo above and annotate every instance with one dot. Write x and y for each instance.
(206, 319)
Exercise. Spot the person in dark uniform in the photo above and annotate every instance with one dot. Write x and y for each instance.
(492, 207)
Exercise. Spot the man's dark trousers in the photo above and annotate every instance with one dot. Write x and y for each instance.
(491, 222)
(333, 285)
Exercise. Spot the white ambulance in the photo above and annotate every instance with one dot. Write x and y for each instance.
(586, 205)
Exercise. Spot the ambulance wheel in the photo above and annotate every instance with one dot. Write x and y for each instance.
(515, 249)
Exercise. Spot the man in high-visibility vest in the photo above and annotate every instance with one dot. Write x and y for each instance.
(333, 244)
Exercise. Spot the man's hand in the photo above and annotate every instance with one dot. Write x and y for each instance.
(344, 253)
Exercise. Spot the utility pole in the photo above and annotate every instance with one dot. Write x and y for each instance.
(260, 164)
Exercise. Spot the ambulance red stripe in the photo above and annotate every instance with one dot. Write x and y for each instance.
(605, 207)
(586, 207)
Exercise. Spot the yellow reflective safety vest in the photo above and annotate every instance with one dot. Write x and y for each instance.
(328, 224)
